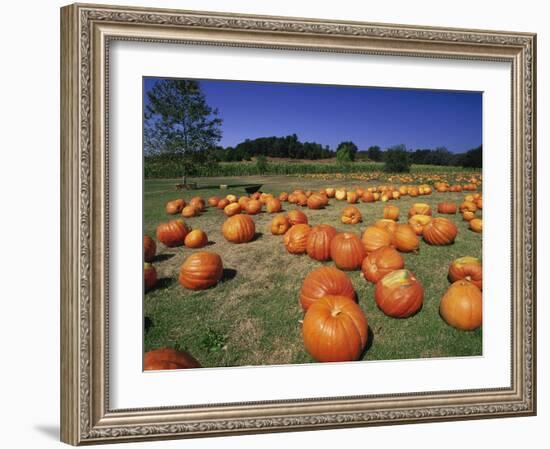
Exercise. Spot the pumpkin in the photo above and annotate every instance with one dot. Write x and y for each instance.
(292, 198)
(418, 222)
(172, 233)
(253, 207)
(374, 238)
(468, 215)
(381, 262)
(325, 281)
(318, 242)
(196, 239)
(367, 197)
(295, 239)
(461, 306)
(168, 358)
(301, 199)
(413, 191)
(256, 196)
(265, 197)
(440, 231)
(399, 294)
(341, 194)
(405, 239)
(446, 207)
(351, 215)
(189, 211)
(476, 225)
(232, 198)
(201, 270)
(283, 196)
(149, 248)
(175, 206)
(239, 229)
(352, 197)
(469, 206)
(279, 224)
(391, 212)
(386, 224)
(296, 217)
(222, 203)
(359, 191)
(330, 191)
(479, 203)
(243, 201)
(198, 203)
(420, 209)
(232, 209)
(149, 276)
(213, 201)
(347, 251)
(335, 329)
(468, 268)
(273, 205)
(316, 201)
(395, 195)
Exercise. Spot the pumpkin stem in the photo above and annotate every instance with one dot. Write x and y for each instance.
(335, 312)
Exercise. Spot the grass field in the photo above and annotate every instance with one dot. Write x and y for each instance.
(253, 316)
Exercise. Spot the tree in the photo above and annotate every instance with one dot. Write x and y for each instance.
(374, 153)
(346, 151)
(397, 159)
(473, 158)
(180, 124)
(261, 164)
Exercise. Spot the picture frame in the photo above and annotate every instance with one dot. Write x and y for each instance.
(87, 31)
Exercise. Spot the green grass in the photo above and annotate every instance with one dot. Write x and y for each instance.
(253, 316)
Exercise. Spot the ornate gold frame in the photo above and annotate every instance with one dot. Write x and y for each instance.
(86, 31)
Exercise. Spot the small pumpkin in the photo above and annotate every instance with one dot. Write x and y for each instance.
(391, 212)
(175, 206)
(198, 203)
(341, 194)
(301, 199)
(232, 198)
(420, 209)
(468, 215)
(149, 276)
(201, 270)
(351, 215)
(318, 242)
(440, 231)
(399, 294)
(352, 197)
(468, 268)
(279, 224)
(232, 209)
(418, 222)
(469, 206)
(347, 251)
(335, 329)
(167, 359)
(172, 233)
(381, 262)
(253, 207)
(222, 204)
(213, 201)
(283, 196)
(461, 306)
(239, 229)
(405, 239)
(447, 207)
(296, 217)
(196, 239)
(189, 211)
(243, 201)
(476, 225)
(374, 238)
(149, 248)
(273, 205)
(295, 239)
(330, 191)
(367, 197)
(325, 281)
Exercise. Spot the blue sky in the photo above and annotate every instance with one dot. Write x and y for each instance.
(331, 114)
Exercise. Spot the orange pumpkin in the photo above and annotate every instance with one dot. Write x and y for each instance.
(347, 251)
(387, 225)
(253, 207)
(399, 294)
(301, 199)
(440, 231)
(374, 238)
(351, 215)
(213, 201)
(468, 268)
(175, 206)
(405, 239)
(391, 212)
(279, 224)
(201, 270)
(172, 233)
(476, 225)
(381, 262)
(168, 358)
(222, 203)
(283, 196)
(232, 198)
(149, 276)
(418, 222)
(296, 217)
(367, 197)
(341, 194)
(196, 239)
(352, 197)
(239, 229)
(446, 207)
(295, 239)
(273, 205)
(330, 191)
(468, 215)
(325, 281)
(232, 209)
(149, 248)
(189, 211)
(479, 203)
(420, 209)
(318, 242)
(469, 206)
(243, 201)
(316, 201)
(461, 306)
(335, 329)
(198, 203)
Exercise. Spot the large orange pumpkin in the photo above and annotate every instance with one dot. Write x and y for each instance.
(295, 239)
(347, 251)
(391, 212)
(273, 205)
(468, 268)
(351, 215)
(196, 239)
(418, 222)
(175, 206)
(201, 270)
(296, 217)
(405, 239)
(239, 229)
(440, 231)
(375, 237)
(420, 209)
(325, 281)
(461, 306)
(381, 262)
(318, 241)
(476, 225)
(149, 248)
(172, 233)
(149, 276)
(399, 294)
(446, 207)
(335, 329)
(279, 224)
(168, 358)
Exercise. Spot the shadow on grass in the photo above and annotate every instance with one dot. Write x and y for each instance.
(147, 323)
(164, 283)
(257, 235)
(163, 257)
(370, 341)
(228, 274)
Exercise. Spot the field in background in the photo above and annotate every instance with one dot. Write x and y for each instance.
(253, 316)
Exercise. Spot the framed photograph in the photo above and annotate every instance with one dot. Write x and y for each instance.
(338, 224)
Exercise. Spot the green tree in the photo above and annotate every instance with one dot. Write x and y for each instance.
(374, 153)
(261, 163)
(179, 124)
(473, 158)
(397, 160)
(345, 152)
